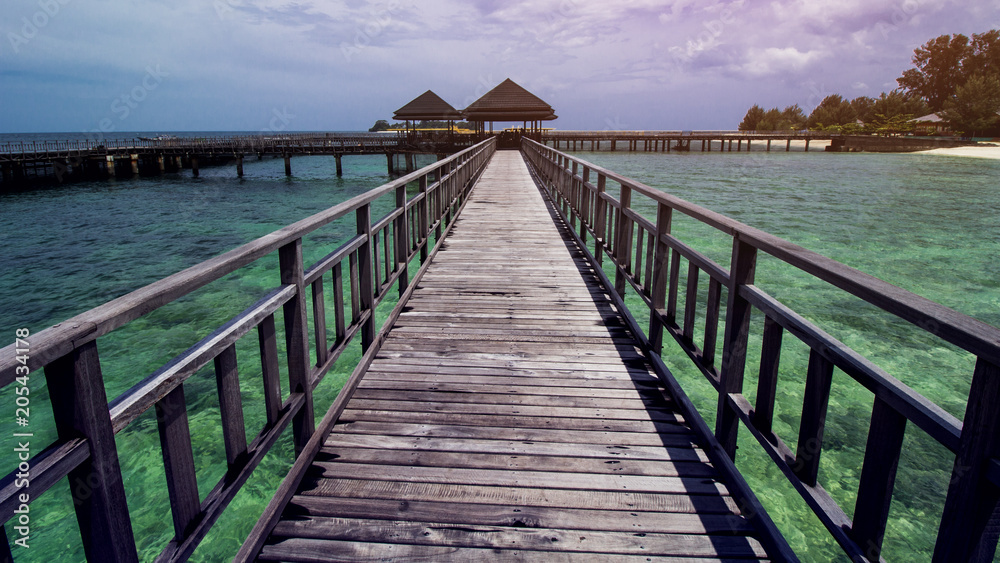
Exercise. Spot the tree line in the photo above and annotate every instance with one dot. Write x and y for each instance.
(954, 76)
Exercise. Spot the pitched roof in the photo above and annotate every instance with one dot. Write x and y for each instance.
(427, 106)
(509, 102)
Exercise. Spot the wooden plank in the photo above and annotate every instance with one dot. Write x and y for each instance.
(512, 416)
(597, 466)
(641, 403)
(301, 550)
(521, 516)
(526, 434)
(521, 538)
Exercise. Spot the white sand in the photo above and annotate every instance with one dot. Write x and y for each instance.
(979, 151)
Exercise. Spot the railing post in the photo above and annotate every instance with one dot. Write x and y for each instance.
(366, 286)
(80, 409)
(664, 216)
(402, 242)
(297, 340)
(422, 220)
(585, 217)
(734, 347)
(623, 240)
(601, 219)
(969, 523)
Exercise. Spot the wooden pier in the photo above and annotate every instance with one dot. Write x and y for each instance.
(683, 141)
(510, 415)
(511, 407)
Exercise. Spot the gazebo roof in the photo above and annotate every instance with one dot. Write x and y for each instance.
(427, 106)
(509, 102)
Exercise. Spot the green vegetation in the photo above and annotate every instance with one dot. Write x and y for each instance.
(954, 76)
(383, 125)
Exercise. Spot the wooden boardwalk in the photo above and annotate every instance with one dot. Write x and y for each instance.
(510, 416)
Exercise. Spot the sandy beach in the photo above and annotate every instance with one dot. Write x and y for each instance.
(983, 150)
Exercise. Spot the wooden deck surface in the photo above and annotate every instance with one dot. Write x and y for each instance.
(510, 416)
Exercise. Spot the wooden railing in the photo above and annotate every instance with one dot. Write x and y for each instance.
(647, 257)
(373, 260)
(272, 143)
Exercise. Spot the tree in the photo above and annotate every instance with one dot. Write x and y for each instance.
(984, 60)
(752, 119)
(380, 125)
(862, 106)
(973, 108)
(939, 69)
(794, 117)
(833, 112)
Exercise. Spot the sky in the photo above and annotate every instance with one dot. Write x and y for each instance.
(340, 65)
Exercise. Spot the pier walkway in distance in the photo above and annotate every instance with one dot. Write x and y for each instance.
(510, 415)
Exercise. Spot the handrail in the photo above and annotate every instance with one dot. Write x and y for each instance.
(646, 257)
(86, 422)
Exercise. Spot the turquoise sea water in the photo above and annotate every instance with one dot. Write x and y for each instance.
(927, 223)
(930, 224)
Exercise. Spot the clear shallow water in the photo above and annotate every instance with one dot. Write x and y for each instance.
(926, 223)
(929, 224)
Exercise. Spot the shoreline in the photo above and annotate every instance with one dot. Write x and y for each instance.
(989, 151)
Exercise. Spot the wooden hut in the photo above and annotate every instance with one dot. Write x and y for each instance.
(427, 106)
(509, 102)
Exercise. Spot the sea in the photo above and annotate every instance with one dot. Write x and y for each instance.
(927, 223)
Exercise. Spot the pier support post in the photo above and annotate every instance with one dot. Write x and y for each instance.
(179, 163)
(730, 145)
(769, 145)
(409, 162)
(613, 144)
(239, 166)
(288, 164)
(340, 165)
(788, 145)
(135, 165)
(739, 145)
(8, 173)
(389, 163)
(161, 162)
(807, 145)
(194, 165)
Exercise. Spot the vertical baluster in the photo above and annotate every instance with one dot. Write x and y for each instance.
(734, 350)
(178, 460)
(297, 341)
(968, 529)
(711, 321)
(269, 369)
(355, 287)
(623, 241)
(639, 255)
(674, 283)
(658, 292)
(387, 251)
(814, 407)
(227, 379)
(601, 213)
(367, 268)
(647, 280)
(690, 302)
(767, 379)
(319, 322)
(80, 408)
(422, 219)
(338, 302)
(586, 216)
(878, 477)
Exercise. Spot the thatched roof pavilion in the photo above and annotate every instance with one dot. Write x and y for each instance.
(427, 106)
(509, 102)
